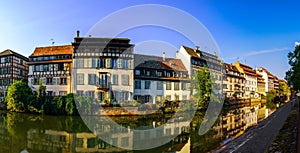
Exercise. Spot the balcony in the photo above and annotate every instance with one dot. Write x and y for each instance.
(103, 86)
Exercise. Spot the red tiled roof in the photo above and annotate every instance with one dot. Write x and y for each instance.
(231, 67)
(52, 50)
(248, 70)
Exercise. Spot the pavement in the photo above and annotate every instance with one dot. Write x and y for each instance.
(258, 138)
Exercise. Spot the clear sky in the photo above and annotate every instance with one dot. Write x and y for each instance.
(258, 33)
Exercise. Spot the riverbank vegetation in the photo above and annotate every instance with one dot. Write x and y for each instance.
(20, 98)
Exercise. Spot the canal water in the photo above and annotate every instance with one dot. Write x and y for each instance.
(40, 133)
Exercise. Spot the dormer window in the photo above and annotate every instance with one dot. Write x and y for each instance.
(159, 74)
(137, 72)
(148, 73)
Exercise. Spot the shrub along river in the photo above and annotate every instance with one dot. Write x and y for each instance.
(68, 134)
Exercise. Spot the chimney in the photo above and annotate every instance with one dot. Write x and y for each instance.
(197, 48)
(77, 33)
(177, 52)
(164, 56)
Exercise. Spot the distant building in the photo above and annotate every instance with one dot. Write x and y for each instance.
(195, 59)
(52, 66)
(157, 77)
(271, 81)
(251, 80)
(13, 66)
(235, 82)
(103, 68)
(261, 88)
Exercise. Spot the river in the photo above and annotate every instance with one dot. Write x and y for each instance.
(55, 134)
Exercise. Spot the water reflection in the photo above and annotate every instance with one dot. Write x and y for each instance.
(37, 133)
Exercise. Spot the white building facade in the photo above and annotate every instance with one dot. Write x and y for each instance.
(159, 78)
(103, 68)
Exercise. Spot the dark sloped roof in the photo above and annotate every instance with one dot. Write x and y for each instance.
(10, 52)
(156, 62)
(190, 51)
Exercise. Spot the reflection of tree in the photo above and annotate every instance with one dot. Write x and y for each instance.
(202, 143)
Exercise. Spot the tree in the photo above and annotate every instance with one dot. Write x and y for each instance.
(201, 83)
(293, 74)
(271, 99)
(284, 89)
(19, 96)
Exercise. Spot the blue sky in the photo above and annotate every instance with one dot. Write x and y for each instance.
(258, 33)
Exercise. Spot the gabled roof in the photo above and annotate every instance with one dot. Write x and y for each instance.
(10, 52)
(52, 50)
(248, 70)
(190, 51)
(231, 67)
(156, 62)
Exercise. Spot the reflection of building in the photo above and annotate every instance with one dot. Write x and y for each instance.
(235, 82)
(13, 66)
(52, 66)
(236, 121)
(156, 77)
(103, 68)
(251, 79)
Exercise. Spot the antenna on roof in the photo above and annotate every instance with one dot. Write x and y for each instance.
(52, 41)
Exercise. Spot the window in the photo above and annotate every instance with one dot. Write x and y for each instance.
(125, 64)
(79, 93)
(147, 98)
(125, 80)
(62, 93)
(168, 86)
(92, 79)
(114, 63)
(107, 62)
(63, 81)
(79, 142)
(115, 79)
(90, 94)
(137, 72)
(49, 93)
(147, 84)
(148, 73)
(183, 86)
(79, 63)
(94, 62)
(125, 142)
(176, 85)
(125, 96)
(130, 64)
(49, 81)
(137, 84)
(160, 85)
(80, 78)
(159, 73)
(101, 96)
(55, 67)
(119, 63)
(102, 63)
(168, 74)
